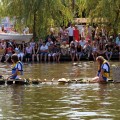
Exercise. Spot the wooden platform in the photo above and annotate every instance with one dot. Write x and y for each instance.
(36, 82)
(10, 82)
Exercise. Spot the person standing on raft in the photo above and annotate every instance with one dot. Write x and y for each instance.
(17, 67)
(103, 70)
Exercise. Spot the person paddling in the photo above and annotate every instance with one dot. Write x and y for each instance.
(17, 68)
(103, 70)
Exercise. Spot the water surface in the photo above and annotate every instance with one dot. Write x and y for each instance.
(52, 101)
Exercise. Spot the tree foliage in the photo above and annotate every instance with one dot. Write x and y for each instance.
(39, 15)
(107, 10)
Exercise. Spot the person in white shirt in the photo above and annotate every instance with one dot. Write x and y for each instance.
(43, 51)
(83, 32)
(3, 44)
(19, 53)
(28, 53)
(70, 33)
(82, 42)
(75, 43)
(49, 42)
(26, 30)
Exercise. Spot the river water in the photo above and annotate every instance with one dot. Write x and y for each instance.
(53, 101)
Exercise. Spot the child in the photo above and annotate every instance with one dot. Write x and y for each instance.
(17, 68)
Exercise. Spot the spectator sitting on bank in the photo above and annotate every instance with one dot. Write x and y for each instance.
(32, 43)
(79, 52)
(65, 38)
(49, 42)
(28, 53)
(82, 42)
(64, 48)
(97, 40)
(94, 50)
(75, 42)
(88, 49)
(35, 52)
(3, 44)
(51, 53)
(17, 51)
(9, 52)
(104, 40)
(14, 44)
(21, 52)
(23, 46)
(101, 49)
(72, 51)
(58, 41)
(2, 51)
(100, 40)
(115, 49)
(109, 49)
(57, 53)
(40, 42)
(118, 40)
(43, 52)
(119, 53)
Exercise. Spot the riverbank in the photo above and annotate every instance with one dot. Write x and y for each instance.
(67, 58)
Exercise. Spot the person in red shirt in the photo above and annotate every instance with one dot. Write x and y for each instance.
(9, 52)
(76, 34)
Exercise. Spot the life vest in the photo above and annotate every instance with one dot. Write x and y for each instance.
(106, 73)
(15, 67)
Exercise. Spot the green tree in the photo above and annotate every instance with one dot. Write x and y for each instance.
(39, 14)
(107, 11)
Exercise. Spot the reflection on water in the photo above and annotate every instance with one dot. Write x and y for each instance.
(60, 102)
(68, 102)
(62, 70)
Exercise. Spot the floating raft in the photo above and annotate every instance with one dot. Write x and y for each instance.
(38, 81)
(88, 80)
(10, 82)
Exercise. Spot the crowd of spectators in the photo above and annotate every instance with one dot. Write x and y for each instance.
(89, 42)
